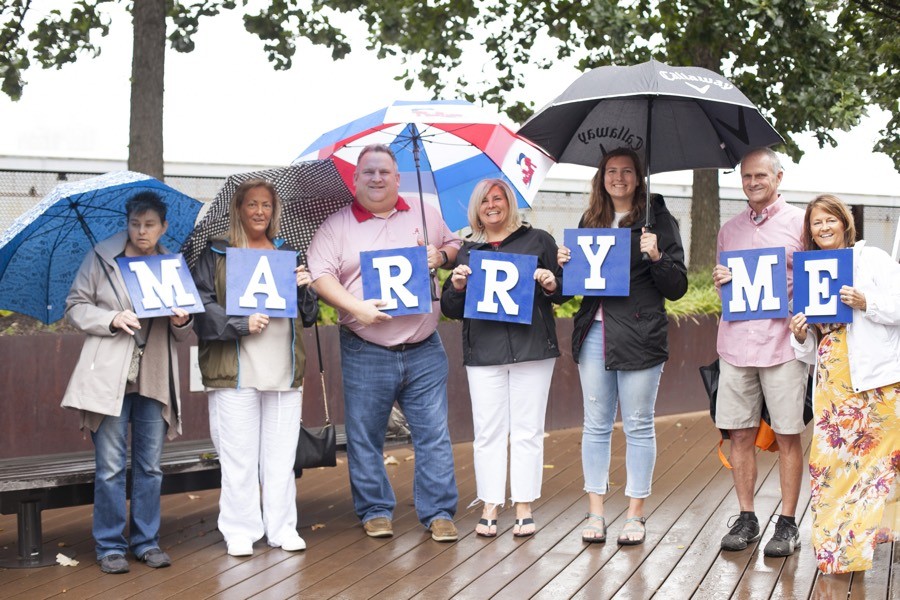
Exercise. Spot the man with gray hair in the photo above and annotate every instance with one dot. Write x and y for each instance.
(757, 363)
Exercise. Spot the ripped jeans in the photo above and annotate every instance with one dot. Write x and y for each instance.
(604, 391)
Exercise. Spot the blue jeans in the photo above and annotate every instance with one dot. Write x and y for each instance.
(374, 377)
(148, 430)
(604, 390)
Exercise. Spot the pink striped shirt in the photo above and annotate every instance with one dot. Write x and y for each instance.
(763, 342)
(335, 251)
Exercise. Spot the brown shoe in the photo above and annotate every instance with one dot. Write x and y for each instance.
(443, 530)
(379, 527)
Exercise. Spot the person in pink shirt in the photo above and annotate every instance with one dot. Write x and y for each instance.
(757, 363)
(386, 359)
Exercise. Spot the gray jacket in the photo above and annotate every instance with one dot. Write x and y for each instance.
(98, 382)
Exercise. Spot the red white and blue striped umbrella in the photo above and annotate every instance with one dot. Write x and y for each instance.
(457, 143)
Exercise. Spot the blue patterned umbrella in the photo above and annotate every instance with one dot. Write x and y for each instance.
(41, 251)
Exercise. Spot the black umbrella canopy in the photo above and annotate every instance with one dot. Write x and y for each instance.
(685, 117)
(310, 192)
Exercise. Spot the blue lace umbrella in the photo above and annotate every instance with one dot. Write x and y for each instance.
(42, 250)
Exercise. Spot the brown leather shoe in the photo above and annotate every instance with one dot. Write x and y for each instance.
(443, 530)
(379, 527)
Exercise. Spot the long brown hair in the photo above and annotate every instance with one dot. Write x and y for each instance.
(236, 234)
(600, 211)
(833, 206)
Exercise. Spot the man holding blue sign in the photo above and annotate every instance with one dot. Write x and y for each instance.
(386, 359)
(757, 362)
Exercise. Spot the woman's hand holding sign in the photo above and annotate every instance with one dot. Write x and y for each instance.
(127, 321)
(546, 279)
(563, 255)
(460, 277)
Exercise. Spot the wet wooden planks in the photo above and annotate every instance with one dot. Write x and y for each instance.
(687, 513)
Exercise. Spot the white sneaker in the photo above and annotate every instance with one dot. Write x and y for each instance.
(293, 543)
(240, 547)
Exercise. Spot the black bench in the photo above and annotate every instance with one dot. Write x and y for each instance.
(31, 484)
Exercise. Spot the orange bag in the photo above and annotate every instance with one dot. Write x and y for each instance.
(765, 440)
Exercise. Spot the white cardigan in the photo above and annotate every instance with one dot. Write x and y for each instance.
(873, 338)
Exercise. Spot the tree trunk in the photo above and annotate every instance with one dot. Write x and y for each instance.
(145, 143)
(704, 220)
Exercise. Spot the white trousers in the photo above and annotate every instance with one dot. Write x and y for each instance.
(255, 434)
(509, 404)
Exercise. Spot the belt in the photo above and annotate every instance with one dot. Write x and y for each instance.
(394, 348)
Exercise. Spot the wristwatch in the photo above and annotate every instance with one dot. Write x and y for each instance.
(446, 258)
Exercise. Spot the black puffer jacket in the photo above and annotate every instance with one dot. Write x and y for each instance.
(636, 326)
(497, 343)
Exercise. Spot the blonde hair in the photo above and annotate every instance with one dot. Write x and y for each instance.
(833, 206)
(236, 234)
(513, 220)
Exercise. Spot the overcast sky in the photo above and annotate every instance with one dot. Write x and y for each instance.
(225, 104)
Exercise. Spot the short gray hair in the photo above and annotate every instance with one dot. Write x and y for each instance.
(774, 161)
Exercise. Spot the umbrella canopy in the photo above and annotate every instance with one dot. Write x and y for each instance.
(310, 191)
(42, 250)
(447, 145)
(681, 117)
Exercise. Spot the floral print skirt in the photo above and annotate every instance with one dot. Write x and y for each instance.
(854, 462)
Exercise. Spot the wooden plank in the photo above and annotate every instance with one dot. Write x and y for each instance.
(586, 560)
(342, 575)
(689, 573)
(565, 515)
(873, 584)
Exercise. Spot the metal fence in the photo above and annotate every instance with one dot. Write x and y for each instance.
(552, 210)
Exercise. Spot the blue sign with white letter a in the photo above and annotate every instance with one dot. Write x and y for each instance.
(501, 287)
(758, 286)
(260, 281)
(600, 263)
(158, 283)
(398, 277)
(818, 277)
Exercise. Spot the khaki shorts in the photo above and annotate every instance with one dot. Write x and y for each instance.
(742, 391)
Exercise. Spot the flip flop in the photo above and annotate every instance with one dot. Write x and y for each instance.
(599, 533)
(487, 523)
(624, 540)
(520, 523)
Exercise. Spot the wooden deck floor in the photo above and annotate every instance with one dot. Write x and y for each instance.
(691, 503)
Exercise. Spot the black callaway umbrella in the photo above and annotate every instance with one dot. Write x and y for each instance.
(675, 118)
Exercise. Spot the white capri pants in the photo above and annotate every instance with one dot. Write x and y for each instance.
(255, 434)
(509, 403)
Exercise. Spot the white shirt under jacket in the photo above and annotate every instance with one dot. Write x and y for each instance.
(873, 338)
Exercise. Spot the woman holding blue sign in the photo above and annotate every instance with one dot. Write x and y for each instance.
(127, 373)
(253, 369)
(620, 342)
(855, 456)
(509, 365)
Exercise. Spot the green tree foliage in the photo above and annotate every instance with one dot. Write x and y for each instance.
(810, 65)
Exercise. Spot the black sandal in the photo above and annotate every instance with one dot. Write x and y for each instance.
(520, 523)
(487, 523)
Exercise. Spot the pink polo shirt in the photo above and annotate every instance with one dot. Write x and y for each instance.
(335, 251)
(763, 342)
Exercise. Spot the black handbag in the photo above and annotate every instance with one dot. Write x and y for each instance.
(317, 445)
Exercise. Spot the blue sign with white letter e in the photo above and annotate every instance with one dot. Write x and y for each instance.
(158, 283)
(600, 263)
(818, 277)
(399, 277)
(260, 281)
(758, 286)
(501, 287)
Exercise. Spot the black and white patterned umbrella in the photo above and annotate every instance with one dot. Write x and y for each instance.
(310, 191)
